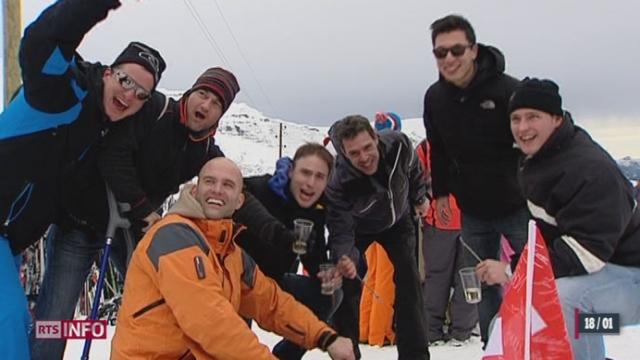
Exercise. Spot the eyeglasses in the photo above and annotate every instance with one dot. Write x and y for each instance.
(128, 83)
(456, 50)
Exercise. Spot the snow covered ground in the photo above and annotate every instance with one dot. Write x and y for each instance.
(625, 346)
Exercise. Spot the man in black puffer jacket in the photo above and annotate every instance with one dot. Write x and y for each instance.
(585, 210)
(65, 107)
(143, 162)
(472, 154)
(294, 191)
(373, 191)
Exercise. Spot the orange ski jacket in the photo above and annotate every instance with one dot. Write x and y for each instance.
(188, 288)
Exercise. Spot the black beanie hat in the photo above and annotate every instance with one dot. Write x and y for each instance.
(145, 56)
(221, 82)
(536, 94)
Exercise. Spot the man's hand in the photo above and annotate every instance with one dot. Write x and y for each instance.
(341, 349)
(492, 272)
(443, 209)
(150, 220)
(336, 279)
(346, 267)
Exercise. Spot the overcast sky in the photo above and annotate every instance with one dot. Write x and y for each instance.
(319, 60)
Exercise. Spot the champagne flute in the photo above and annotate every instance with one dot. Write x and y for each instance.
(302, 230)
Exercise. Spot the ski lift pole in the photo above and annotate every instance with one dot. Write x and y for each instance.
(116, 221)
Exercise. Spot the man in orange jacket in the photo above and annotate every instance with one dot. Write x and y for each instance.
(189, 285)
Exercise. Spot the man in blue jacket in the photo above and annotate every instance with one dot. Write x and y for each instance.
(294, 191)
(65, 106)
(143, 162)
(373, 190)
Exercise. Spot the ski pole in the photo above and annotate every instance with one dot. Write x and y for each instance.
(370, 289)
(96, 300)
(363, 283)
(466, 246)
(116, 221)
(336, 300)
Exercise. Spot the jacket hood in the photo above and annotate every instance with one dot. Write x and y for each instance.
(490, 58)
(334, 139)
(187, 205)
(490, 63)
(220, 233)
(279, 182)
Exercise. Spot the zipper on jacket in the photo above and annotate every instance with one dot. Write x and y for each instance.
(15, 212)
(148, 308)
(224, 270)
(395, 166)
(368, 206)
(225, 273)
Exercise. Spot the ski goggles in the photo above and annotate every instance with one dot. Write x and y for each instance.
(128, 83)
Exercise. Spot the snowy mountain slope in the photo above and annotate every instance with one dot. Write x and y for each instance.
(252, 140)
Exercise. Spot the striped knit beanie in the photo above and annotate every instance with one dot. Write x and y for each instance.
(219, 81)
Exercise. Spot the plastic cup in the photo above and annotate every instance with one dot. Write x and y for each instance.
(301, 229)
(326, 273)
(471, 285)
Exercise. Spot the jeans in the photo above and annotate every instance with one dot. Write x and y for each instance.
(305, 290)
(14, 315)
(483, 236)
(399, 242)
(614, 289)
(70, 255)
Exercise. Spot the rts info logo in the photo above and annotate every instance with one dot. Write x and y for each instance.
(71, 329)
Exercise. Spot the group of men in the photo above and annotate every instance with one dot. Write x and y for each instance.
(223, 255)
(556, 174)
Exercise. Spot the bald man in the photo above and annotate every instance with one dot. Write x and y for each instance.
(189, 285)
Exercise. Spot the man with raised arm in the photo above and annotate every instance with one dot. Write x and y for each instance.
(65, 106)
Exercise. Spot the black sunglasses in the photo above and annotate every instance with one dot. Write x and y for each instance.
(456, 50)
(128, 83)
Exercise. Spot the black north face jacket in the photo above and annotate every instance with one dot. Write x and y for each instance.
(472, 153)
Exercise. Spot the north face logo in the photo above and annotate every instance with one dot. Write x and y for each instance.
(488, 105)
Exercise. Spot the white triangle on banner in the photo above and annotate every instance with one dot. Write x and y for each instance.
(494, 346)
(537, 323)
